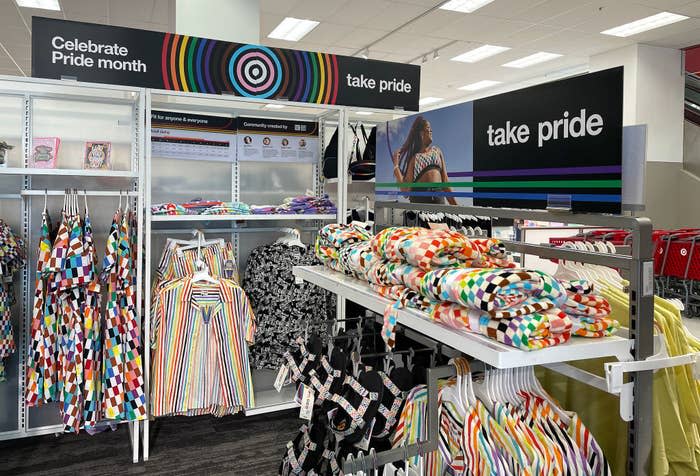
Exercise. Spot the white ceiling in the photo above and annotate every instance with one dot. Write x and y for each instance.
(567, 27)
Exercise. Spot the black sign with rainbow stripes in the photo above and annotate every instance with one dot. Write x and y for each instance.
(131, 57)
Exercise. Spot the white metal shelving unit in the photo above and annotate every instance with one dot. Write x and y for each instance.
(55, 108)
(267, 227)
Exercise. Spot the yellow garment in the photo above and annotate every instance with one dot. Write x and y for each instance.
(676, 398)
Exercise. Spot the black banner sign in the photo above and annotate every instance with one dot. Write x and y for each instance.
(562, 139)
(258, 124)
(554, 145)
(130, 57)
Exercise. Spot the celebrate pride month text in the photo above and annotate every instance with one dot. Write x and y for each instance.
(76, 53)
(564, 128)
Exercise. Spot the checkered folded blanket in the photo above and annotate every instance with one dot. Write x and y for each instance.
(465, 284)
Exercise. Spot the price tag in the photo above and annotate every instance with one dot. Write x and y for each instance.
(281, 378)
(307, 403)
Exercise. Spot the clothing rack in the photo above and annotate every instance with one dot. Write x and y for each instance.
(638, 347)
(27, 184)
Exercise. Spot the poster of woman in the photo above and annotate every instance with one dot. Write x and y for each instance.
(418, 155)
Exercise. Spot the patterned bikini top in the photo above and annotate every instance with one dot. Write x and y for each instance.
(425, 161)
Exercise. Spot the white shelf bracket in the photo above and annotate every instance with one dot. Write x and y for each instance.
(615, 374)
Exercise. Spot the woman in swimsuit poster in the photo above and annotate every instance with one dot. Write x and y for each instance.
(418, 160)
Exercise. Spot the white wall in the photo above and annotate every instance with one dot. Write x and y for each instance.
(653, 95)
(230, 20)
(660, 94)
(627, 57)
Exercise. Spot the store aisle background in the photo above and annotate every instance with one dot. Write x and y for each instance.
(233, 445)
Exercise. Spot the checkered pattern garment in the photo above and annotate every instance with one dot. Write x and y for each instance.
(93, 339)
(134, 394)
(588, 312)
(36, 362)
(123, 396)
(12, 258)
(7, 342)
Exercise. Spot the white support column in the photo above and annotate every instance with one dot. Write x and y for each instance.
(653, 95)
(230, 20)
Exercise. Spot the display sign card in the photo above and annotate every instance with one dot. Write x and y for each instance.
(176, 135)
(554, 145)
(276, 140)
(150, 59)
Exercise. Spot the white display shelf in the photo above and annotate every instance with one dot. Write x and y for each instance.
(269, 400)
(69, 172)
(187, 218)
(476, 345)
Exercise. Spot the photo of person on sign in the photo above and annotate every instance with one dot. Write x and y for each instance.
(418, 160)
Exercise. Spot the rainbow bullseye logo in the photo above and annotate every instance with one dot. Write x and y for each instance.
(255, 71)
(210, 66)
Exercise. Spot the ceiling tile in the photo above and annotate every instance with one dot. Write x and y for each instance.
(482, 29)
(506, 8)
(390, 15)
(319, 10)
(429, 24)
(691, 9)
(360, 37)
(279, 7)
(328, 33)
(531, 33)
(667, 5)
(550, 8)
(84, 11)
(604, 17)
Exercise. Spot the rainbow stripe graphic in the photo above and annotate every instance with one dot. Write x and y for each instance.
(201, 65)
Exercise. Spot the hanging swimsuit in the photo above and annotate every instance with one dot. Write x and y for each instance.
(423, 163)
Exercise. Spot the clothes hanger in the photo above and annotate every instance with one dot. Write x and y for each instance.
(292, 238)
(202, 275)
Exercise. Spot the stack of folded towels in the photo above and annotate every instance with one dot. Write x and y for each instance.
(467, 284)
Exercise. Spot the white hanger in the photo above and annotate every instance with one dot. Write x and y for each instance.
(292, 238)
(202, 274)
(198, 241)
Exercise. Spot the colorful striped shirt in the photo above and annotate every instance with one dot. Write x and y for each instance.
(200, 356)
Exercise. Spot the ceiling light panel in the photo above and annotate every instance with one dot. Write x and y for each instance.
(464, 6)
(531, 60)
(274, 106)
(429, 100)
(645, 24)
(486, 83)
(480, 53)
(40, 4)
(364, 113)
(292, 29)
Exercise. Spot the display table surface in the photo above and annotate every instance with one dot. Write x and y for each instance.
(476, 345)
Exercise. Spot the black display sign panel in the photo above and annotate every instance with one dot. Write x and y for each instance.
(554, 145)
(183, 120)
(562, 140)
(131, 57)
(278, 126)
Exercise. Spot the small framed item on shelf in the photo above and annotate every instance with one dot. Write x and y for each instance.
(44, 152)
(97, 155)
(5, 149)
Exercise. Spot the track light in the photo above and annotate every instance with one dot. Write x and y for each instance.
(364, 54)
(425, 59)
(436, 55)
